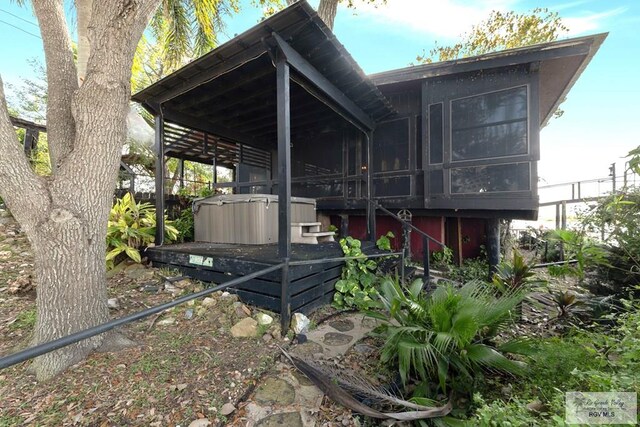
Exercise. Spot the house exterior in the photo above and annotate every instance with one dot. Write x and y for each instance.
(454, 145)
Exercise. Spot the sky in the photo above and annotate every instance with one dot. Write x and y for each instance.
(601, 114)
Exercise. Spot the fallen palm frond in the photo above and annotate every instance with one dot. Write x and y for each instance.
(333, 384)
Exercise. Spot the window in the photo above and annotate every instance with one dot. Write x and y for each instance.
(436, 137)
(489, 125)
(391, 146)
(493, 178)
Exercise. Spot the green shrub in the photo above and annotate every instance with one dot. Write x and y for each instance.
(580, 248)
(471, 269)
(185, 225)
(446, 338)
(515, 274)
(357, 285)
(131, 226)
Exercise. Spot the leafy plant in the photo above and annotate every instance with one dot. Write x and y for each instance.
(442, 260)
(384, 241)
(471, 269)
(184, 225)
(446, 337)
(515, 274)
(580, 248)
(356, 287)
(131, 226)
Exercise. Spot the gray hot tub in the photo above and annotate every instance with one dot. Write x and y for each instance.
(245, 218)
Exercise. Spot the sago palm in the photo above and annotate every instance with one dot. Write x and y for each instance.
(446, 337)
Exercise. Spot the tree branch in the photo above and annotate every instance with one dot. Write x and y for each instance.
(23, 191)
(62, 78)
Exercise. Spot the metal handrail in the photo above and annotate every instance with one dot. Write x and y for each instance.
(56, 344)
(408, 224)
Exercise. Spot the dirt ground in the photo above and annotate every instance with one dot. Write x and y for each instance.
(186, 364)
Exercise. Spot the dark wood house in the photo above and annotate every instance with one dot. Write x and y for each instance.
(286, 107)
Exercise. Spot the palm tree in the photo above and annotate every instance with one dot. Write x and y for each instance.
(446, 338)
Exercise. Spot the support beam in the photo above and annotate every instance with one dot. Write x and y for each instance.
(371, 211)
(284, 186)
(220, 131)
(493, 244)
(284, 159)
(159, 128)
(303, 67)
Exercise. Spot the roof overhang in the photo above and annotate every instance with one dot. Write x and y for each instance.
(560, 64)
(231, 91)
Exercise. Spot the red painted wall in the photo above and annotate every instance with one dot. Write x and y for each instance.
(473, 235)
(430, 225)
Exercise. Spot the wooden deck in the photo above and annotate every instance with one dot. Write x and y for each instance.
(311, 285)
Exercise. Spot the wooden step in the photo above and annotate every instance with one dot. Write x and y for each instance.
(305, 227)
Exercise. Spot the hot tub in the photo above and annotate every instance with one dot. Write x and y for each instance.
(245, 218)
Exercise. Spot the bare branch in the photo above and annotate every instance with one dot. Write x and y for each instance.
(20, 187)
(62, 78)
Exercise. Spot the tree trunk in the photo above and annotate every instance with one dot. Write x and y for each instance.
(71, 291)
(327, 10)
(83, 10)
(65, 215)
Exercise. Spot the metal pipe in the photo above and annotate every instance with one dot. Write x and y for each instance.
(50, 346)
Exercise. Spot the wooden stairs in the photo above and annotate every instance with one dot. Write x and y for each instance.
(309, 232)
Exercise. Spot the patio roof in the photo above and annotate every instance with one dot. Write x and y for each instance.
(560, 64)
(230, 93)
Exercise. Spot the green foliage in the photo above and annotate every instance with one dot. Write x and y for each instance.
(515, 274)
(471, 269)
(384, 242)
(445, 338)
(619, 217)
(580, 248)
(357, 285)
(442, 260)
(513, 413)
(26, 320)
(500, 31)
(131, 226)
(185, 226)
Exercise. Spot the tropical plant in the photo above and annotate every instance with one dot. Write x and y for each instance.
(515, 274)
(131, 226)
(442, 260)
(184, 224)
(579, 248)
(446, 338)
(357, 285)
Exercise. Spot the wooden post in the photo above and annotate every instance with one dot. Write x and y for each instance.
(344, 225)
(557, 216)
(425, 262)
(371, 211)
(284, 160)
(564, 215)
(159, 128)
(181, 166)
(493, 244)
(284, 184)
(30, 140)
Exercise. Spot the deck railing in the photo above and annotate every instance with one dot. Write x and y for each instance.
(426, 238)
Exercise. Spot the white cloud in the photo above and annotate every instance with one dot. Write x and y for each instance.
(448, 19)
(590, 23)
(443, 19)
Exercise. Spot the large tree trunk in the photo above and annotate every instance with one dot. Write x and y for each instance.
(83, 11)
(327, 10)
(65, 215)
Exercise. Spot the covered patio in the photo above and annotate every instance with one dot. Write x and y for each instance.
(286, 84)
